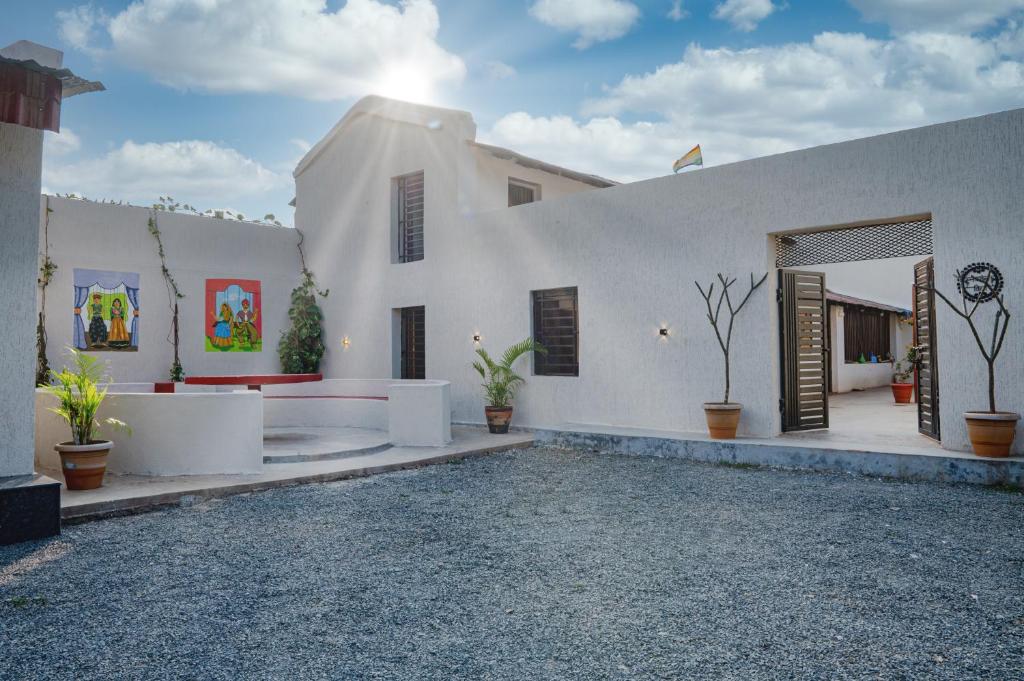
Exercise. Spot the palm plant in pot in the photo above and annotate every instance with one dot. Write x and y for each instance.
(992, 431)
(501, 382)
(79, 396)
(724, 417)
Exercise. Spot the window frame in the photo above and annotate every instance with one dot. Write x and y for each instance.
(523, 184)
(399, 219)
(537, 298)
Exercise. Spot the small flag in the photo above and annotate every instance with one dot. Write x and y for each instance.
(691, 158)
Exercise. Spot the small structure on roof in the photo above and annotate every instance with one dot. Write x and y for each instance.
(33, 84)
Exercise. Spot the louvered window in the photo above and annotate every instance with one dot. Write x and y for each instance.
(865, 333)
(413, 345)
(409, 216)
(520, 192)
(556, 327)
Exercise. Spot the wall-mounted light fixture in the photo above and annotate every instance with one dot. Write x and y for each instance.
(345, 342)
(476, 338)
(663, 332)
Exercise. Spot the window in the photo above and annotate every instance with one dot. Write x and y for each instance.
(408, 217)
(556, 327)
(520, 192)
(865, 332)
(413, 347)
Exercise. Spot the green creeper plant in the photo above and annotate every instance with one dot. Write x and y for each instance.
(500, 381)
(177, 372)
(80, 396)
(46, 272)
(302, 345)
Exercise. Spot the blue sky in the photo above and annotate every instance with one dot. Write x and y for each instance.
(215, 102)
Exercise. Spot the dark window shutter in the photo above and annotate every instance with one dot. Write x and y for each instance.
(410, 217)
(413, 344)
(519, 194)
(556, 327)
(865, 331)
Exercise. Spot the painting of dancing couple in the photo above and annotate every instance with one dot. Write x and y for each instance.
(233, 319)
(106, 316)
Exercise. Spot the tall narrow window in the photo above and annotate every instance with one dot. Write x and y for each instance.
(556, 327)
(408, 212)
(413, 346)
(520, 192)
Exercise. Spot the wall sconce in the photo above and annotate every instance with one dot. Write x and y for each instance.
(663, 332)
(476, 338)
(345, 342)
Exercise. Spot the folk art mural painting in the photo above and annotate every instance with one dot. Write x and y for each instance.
(106, 314)
(233, 315)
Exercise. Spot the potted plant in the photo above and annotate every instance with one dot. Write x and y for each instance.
(991, 432)
(724, 417)
(83, 459)
(903, 376)
(501, 382)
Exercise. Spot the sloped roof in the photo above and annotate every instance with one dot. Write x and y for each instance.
(527, 162)
(843, 299)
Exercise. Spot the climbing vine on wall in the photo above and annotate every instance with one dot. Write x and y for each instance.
(173, 296)
(302, 346)
(46, 270)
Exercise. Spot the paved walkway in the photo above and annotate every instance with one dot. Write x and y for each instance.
(870, 419)
(122, 494)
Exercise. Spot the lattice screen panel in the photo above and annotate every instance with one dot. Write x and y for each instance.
(891, 240)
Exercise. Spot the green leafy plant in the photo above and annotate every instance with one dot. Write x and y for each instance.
(177, 372)
(302, 345)
(500, 381)
(903, 370)
(80, 396)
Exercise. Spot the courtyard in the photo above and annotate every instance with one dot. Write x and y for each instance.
(536, 563)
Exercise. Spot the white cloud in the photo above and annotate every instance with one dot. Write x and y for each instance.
(292, 47)
(744, 15)
(937, 15)
(741, 104)
(677, 11)
(594, 20)
(498, 70)
(198, 172)
(61, 144)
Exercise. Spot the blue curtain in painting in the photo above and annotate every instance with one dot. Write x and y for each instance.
(81, 297)
(133, 298)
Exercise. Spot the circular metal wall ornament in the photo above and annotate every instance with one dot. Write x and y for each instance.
(979, 282)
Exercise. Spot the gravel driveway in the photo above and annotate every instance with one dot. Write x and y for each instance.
(534, 564)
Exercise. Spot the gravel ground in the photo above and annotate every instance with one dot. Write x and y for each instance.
(535, 564)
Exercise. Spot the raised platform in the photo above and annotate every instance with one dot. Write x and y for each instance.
(296, 445)
(126, 494)
(926, 463)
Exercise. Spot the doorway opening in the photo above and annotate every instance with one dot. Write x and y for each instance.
(856, 316)
(409, 347)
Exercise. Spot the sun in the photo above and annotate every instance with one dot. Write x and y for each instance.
(406, 82)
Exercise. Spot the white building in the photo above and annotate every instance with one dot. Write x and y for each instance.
(408, 223)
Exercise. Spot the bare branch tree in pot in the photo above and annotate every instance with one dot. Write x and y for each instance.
(724, 417)
(991, 432)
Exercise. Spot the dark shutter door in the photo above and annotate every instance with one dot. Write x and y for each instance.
(805, 352)
(924, 337)
(413, 345)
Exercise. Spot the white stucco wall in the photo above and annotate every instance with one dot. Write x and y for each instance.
(84, 234)
(21, 153)
(634, 251)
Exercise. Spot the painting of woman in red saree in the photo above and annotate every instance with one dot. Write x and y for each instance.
(233, 315)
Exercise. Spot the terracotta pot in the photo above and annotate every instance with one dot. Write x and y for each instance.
(84, 465)
(498, 418)
(722, 419)
(991, 433)
(902, 392)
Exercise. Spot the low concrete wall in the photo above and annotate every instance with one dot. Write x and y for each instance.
(861, 376)
(420, 414)
(310, 411)
(172, 434)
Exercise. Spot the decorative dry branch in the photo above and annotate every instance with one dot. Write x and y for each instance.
(715, 313)
(1002, 320)
(173, 296)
